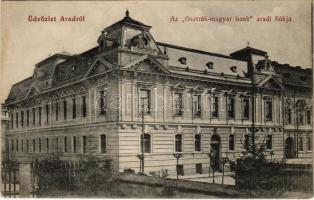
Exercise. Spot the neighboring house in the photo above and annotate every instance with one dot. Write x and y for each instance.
(186, 101)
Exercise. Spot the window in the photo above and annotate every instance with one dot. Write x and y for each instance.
(47, 144)
(57, 145)
(22, 118)
(74, 144)
(39, 145)
(12, 145)
(17, 145)
(57, 111)
(145, 143)
(39, 115)
(73, 108)
(83, 98)
(182, 60)
(34, 145)
(288, 116)
(231, 142)
(12, 121)
(27, 118)
(246, 142)
(103, 102)
(268, 110)
(199, 168)
(178, 106)
(47, 113)
(65, 143)
(246, 108)
(34, 116)
(215, 106)
(210, 65)
(65, 109)
(84, 144)
(178, 143)
(17, 120)
(300, 117)
(308, 116)
(180, 170)
(103, 143)
(22, 145)
(300, 144)
(145, 101)
(196, 105)
(230, 104)
(27, 145)
(269, 142)
(198, 142)
(309, 144)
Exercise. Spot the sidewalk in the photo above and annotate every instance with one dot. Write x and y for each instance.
(228, 180)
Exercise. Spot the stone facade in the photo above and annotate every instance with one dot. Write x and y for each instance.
(193, 103)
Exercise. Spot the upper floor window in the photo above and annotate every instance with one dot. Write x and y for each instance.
(84, 110)
(198, 142)
(47, 144)
(34, 145)
(308, 116)
(210, 65)
(57, 144)
(215, 106)
(84, 144)
(300, 117)
(246, 108)
(73, 108)
(17, 145)
(231, 142)
(178, 106)
(22, 118)
(178, 143)
(246, 142)
(27, 145)
(230, 104)
(300, 144)
(145, 101)
(65, 109)
(103, 102)
(39, 115)
(196, 105)
(57, 111)
(103, 143)
(288, 116)
(309, 144)
(17, 120)
(34, 116)
(269, 142)
(39, 145)
(268, 110)
(74, 144)
(182, 60)
(27, 118)
(12, 121)
(47, 113)
(65, 143)
(145, 143)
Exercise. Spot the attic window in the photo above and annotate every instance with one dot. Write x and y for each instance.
(286, 75)
(210, 65)
(233, 69)
(182, 60)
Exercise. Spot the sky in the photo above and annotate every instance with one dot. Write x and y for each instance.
(26, 43)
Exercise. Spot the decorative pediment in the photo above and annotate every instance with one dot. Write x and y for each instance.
(98, 66)
(271, 83)
(148, 64)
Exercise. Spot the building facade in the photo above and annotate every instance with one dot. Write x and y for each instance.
(132, 97)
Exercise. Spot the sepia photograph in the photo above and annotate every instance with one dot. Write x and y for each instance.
(156, 99)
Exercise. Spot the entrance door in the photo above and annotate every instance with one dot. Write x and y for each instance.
(289, 148)
(215, 152)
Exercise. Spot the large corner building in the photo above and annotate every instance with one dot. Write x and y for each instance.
(132, 96)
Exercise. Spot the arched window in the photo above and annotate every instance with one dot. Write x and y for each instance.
(103, 143)
(246, 142)
(300, 144)
(269, 142)
(231, 142)
(198, 142)
(145, 143)
(178, 143)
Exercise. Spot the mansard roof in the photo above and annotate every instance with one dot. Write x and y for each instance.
(20, 89)
(199, 60)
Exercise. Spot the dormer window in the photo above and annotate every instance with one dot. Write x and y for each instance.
(182, 60)
(233, 69)
(210, 65)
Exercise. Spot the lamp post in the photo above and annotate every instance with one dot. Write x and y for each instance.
(177, 156)
(211, 164)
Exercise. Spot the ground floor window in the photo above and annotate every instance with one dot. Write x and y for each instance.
(309, 143)
(300, 144)
(231, 142)
(269, 141)
(103, 143)
(180, 170)
(199, 168)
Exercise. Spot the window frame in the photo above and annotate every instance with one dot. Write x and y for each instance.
(200, 149)
(246, 108)
(269, 145)
(197, 104)
(175, 143)
(178, 104)
(215, 106)
(101, 149)
(147, 110)
(233, 143)
(269, 111)
(145, 140)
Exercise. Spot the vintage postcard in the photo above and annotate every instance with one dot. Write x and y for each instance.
(161, 99)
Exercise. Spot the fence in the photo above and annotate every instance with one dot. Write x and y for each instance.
(10, 179)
